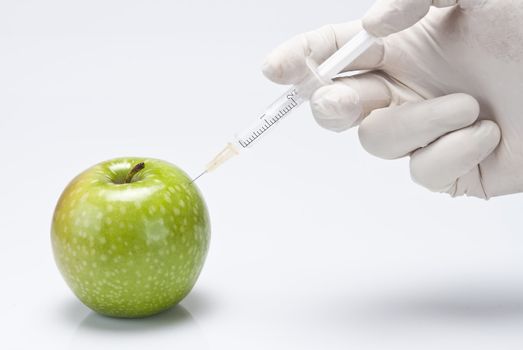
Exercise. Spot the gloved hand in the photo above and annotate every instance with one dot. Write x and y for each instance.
(447, 91)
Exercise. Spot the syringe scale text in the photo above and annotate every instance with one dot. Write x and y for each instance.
(269, 121)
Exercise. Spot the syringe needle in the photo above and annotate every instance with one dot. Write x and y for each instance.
(197, 177)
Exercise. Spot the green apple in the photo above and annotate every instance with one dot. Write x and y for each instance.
(130, 236)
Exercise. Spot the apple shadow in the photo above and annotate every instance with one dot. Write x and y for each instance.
(175, 326)
(176, 316)
(172, 318)
(74, 312)
(199, 302)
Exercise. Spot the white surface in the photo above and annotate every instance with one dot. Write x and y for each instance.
(351, 255)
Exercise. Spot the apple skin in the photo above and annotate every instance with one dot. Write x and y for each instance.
(130, 249)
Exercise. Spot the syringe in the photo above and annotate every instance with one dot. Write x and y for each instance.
(293, 98)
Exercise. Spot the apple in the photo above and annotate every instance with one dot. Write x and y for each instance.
(130, 236)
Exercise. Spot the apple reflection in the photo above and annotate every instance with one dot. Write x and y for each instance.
(174, 328)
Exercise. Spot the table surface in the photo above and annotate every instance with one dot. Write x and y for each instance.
(354, 255)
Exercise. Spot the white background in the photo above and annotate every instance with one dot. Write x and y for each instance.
(316, 245)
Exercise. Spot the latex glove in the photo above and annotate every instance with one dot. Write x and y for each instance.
(442, 91)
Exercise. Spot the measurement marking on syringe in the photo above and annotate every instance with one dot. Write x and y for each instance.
(268, 123)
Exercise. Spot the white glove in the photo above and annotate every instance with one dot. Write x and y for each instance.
(445, 91)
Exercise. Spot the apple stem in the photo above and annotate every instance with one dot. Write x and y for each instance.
(135, 170)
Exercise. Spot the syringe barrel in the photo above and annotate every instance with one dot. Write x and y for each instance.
(278, 111)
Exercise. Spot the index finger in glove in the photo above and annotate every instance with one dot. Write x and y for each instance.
(287, 64)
